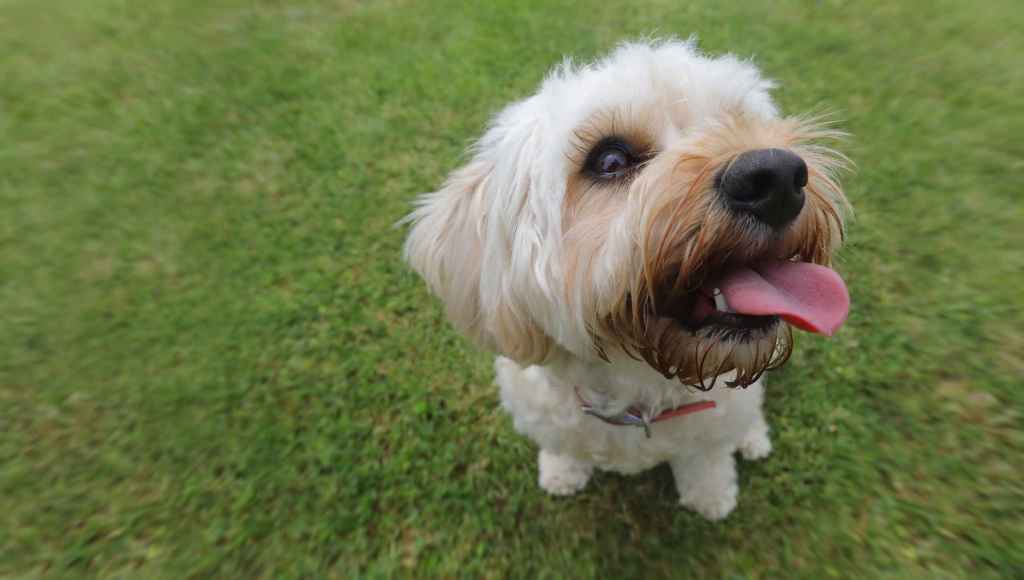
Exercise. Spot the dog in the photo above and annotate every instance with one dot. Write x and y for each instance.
(636, 241)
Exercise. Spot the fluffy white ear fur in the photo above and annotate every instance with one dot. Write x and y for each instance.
(467, 259)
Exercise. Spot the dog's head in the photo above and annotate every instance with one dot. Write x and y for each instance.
(654, 203)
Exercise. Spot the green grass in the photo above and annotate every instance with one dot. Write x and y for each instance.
(213, 362)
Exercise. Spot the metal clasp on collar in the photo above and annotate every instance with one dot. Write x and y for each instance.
(632, 416)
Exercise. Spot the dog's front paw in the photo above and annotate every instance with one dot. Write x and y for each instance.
(756, 446)
(714, 505)
(562, 475)
(707, 483)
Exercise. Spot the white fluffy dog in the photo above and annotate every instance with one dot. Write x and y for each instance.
(639, 230)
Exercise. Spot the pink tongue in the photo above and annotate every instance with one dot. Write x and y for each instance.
(807, 296)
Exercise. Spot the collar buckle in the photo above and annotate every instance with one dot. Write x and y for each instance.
(634, 417)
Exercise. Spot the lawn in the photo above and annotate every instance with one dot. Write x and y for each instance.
(213, 362)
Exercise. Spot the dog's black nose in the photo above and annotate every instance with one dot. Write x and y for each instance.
(766, 183)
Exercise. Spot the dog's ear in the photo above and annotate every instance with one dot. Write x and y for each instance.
(464, 256)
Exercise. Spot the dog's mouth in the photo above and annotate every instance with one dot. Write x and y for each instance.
(748, 300)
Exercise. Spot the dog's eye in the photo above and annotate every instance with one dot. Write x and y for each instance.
(612, 161)
(611, 158)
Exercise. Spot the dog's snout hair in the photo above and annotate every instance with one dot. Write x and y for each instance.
(687, 232)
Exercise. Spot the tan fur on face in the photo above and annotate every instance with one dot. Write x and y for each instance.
(685, 236)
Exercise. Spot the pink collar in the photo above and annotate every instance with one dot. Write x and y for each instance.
(637, 418)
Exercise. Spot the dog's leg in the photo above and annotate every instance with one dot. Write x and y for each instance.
(707, 482)
(756, 444)
(561, 474)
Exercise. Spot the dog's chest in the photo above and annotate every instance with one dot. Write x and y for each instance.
(545, 405)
